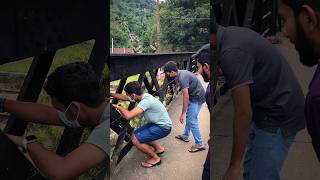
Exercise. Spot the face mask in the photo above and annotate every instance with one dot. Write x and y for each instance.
(131, 99)
(73, 122)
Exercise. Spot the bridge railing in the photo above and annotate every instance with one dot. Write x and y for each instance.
(39, 29)
(258, 15)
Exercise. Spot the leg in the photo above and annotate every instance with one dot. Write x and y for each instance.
(154, 158)
(194, 121)
(206, 168)
(265, 155)
(157, 147)
(147, 134)
(206, 174)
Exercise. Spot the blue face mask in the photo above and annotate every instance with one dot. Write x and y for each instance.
(73, 122)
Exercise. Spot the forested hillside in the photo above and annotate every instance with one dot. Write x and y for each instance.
(184, 24)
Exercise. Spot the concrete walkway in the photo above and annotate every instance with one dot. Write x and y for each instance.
(301, 163)
(177, 162)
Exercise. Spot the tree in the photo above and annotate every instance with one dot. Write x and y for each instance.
(184, 24)
(133, 24)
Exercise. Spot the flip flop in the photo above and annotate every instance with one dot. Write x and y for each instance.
(143, 164)
(194, 149)
(181, 138)
(159, 153)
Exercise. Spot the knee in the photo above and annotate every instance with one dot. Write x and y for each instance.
(192, 115)
(194, 123)
(134, 140)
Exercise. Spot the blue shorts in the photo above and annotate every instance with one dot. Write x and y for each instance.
(151, 132)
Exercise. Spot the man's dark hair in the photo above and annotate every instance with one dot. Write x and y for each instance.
(170, 66)
(133, 87)
(75, 82)
(203, 55)
(297, 4)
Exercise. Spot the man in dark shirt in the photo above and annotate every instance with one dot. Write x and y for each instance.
(301, 25)
(268, 103)
(193, 98)
(203, 63)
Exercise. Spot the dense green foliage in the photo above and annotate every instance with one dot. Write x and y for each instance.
(133, 24)
(184, 25)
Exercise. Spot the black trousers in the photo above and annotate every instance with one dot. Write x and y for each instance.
(206, 174)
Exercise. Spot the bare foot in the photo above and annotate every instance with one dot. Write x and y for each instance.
(153, 149)
(158, 149)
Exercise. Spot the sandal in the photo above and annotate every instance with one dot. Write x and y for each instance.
(159, 153)
(149, 165)
(196, 148)
(181, 138)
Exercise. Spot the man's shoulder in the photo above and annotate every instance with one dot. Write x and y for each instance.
(147, 97)
(106, 113)
(236, 30)
(314, 85)
(98, 136)
(249, 40)
(186, 74)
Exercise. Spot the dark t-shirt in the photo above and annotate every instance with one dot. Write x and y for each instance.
(276, 96)
(188, 80)
(312, 111)
(208, 97)
(208, 101)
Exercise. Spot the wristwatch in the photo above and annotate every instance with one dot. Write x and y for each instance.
(28, 140)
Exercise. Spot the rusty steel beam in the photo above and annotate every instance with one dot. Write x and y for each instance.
(249, 14)
(71, 137)
(122, 66)
(31, 89)
(34, 27)
(117, 150)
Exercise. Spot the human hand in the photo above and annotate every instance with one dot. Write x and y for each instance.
(15, 139)
(117, 107)
(183, 118)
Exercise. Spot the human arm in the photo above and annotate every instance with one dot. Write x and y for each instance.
(241, 126)
(120, 96)
(185, 93)
(80, 160)
(33, 112)
(128, 115)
